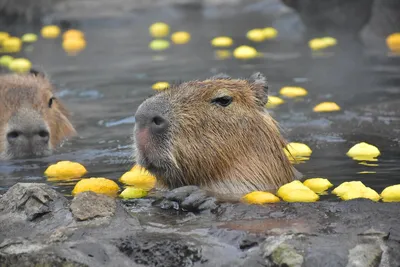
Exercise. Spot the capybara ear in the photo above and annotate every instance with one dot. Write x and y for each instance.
(38, 73)
(260, 86)
(221, 76)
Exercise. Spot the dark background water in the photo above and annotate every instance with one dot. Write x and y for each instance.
(104, 84)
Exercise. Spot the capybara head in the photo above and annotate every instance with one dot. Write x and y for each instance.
(215, 134)
(32, 120)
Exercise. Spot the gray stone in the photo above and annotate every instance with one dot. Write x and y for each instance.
(279, 253)
(140, 234)
(88, 205)
(285, 255)
(160, 250)
(31, 199)
(365, 255)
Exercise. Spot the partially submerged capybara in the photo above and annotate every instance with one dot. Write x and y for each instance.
(32, 120)
(215, 134)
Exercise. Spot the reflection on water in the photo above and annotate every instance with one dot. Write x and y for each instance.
(104, 84)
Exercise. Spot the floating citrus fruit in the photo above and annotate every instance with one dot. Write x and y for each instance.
(20, 65)
(12, 45)
(222, 54)
(391, 193)
(245, 52)
(180, 37)
(355, 189)
(296, 191)
(318, 185)
(363, 151)
(139, 177)
(222, 41)
(133, 192)
(326, 107)
(393, 42)
(270, 33)
(322, 43)
(296, 149)
(293, 91)
(3, 36)
(274, 101)
(159, 44)
(6, 60)
(29, 38)
(259, 197)
(73, 44)
(66, 169)
(255, 35)
(160, 86)
(159, 29)
(98, 185)
(50, 31)
(73, 33)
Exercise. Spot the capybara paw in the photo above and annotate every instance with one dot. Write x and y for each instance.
(188, 198)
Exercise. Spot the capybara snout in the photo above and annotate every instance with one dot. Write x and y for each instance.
(27, 134)
(214, 133)
(32, 120)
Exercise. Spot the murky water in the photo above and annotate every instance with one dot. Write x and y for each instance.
(104, 84)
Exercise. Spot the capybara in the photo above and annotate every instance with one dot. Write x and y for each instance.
(32, 120)
(215, 134)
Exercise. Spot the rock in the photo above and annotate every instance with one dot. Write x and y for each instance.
(353, 233)
(88, 205)
(42, 260)
(160, 250)
(365, 255)
(285, 255)
(334, 17)
(278, 253)
(32, 199)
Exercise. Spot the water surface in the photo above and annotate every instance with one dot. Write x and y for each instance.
(104, 84)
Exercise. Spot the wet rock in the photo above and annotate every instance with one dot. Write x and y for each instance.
(365, 255)
(31, 199)
(44, 260)
(160, 250)
(89, 205)
(283, 255)
(353, 233)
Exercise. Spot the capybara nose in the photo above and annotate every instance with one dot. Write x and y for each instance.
(158, 124)
(39, 136)
(152, 120)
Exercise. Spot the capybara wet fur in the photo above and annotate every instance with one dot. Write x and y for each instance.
(215, 134)
(32, 120)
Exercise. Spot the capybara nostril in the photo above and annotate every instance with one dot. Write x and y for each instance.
(159, 124)
(43, 135)
(12, 136)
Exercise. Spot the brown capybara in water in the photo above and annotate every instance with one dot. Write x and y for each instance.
(215, 134)
(32, 120)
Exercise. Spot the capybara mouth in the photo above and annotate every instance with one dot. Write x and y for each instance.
(151, 152)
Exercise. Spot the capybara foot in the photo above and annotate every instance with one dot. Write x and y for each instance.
(188, 198)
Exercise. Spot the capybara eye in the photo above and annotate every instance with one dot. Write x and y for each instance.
(51, 101)
(223, 101)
